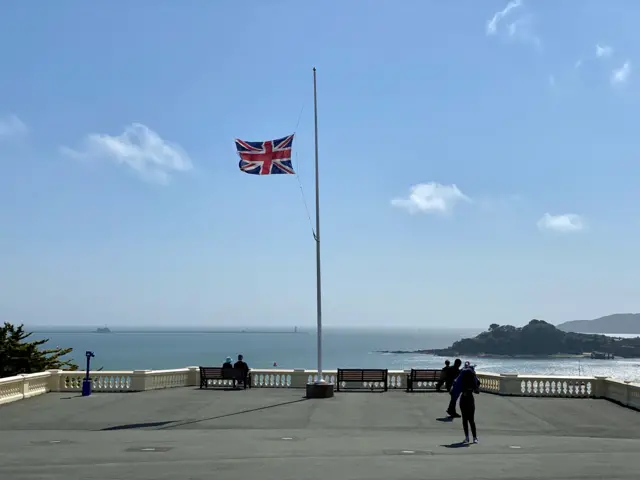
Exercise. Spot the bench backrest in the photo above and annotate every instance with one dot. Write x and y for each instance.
(361, 375)
(425, 375)
(219, 373)
(211, 372)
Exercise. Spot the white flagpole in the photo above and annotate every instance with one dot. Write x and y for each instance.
(320, 378)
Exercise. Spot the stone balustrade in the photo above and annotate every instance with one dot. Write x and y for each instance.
(25, 386)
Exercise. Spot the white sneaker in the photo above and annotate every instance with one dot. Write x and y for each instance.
(475, 439)
(466, 440)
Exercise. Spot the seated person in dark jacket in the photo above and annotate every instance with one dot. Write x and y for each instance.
(243, 367)
(228, 363)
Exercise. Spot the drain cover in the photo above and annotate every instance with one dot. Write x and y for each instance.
(408, 452)
(149, 449)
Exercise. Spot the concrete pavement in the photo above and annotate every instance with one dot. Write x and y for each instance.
(276, 434)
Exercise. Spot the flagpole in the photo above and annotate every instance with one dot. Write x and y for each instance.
(320, 378)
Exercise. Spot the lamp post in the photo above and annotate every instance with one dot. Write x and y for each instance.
(86, 383)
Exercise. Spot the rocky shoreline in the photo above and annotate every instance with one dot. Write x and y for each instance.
(444, 353)
(537, 339)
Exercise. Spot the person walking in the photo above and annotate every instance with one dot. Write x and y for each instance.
(466, 385)
(452, 374)
(443, 375)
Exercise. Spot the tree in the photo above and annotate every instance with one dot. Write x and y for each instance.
(493, 326)
(18, 356)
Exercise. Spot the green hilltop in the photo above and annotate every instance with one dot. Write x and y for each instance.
(539, 338)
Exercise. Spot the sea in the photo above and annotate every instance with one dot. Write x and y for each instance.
(158, 349)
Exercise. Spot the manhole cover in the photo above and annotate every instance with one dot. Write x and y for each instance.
(149, 449)
(408, 452)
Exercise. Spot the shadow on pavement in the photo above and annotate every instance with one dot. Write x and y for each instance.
(445, 419)
(190, 422)
(456, 445)
(136, 425)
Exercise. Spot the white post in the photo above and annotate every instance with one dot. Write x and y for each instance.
(320, 378)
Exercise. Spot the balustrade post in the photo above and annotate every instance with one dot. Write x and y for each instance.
(55, 377)
(299, 378)
(600, 387)
(140, 380)
(24, 386)
(193, 377)
(510, 384)
(627, 393)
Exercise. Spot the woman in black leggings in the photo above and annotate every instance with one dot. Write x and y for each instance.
(467, 384)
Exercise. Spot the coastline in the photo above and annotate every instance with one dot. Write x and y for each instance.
(486, 355)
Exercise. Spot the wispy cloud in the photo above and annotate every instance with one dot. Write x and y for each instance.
(620, 76)
(138, 148)
(603, 51)
(516, 29)
(12, 127)
(565, 223)
(492, 25)
(431, 198)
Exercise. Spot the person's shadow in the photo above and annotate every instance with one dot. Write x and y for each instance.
(445, 419)
(456, 445)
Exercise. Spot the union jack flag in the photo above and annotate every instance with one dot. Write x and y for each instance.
(272, 157)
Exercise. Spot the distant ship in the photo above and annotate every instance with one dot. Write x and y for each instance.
(103, 330)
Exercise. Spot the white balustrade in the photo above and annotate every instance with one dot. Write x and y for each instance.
(25, 386)
(548, 386)
(489, 382)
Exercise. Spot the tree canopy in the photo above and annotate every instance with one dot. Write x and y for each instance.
(540, 338)
(18, 355)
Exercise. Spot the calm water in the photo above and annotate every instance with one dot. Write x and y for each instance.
(122, 350)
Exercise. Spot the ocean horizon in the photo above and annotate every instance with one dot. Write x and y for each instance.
(156, 348)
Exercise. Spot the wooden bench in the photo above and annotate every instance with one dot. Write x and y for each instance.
(218, 373)
(425, 376)
(372, 376)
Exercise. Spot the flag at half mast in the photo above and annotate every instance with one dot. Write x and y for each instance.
(272, 157)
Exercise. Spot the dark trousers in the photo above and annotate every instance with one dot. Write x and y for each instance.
(452, 404)
(468, 410)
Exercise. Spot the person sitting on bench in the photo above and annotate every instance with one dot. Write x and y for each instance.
(228, 363)
(243, 367)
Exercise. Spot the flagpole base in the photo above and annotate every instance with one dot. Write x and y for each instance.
(320, 389)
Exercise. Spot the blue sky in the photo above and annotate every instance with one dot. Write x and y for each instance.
(479, 162)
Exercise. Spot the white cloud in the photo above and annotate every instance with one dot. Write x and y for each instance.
(492, 25)
(431, 198)
(568, 222)
(620, 75)
(520, 29)
(138, 148)
(603, 51)
(12, 127)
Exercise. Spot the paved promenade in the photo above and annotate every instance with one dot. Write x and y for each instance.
(272, 434)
